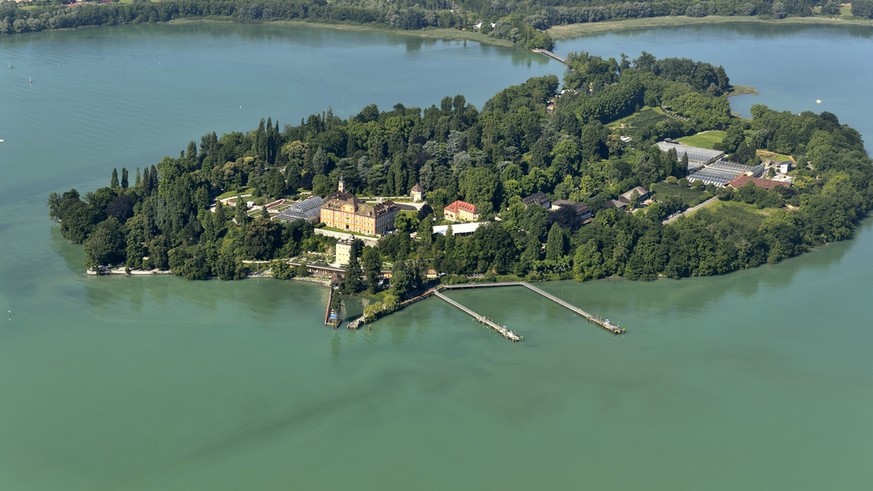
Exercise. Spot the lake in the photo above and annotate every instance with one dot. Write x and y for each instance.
(755, 380)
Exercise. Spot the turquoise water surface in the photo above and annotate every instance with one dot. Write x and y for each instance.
(756, 380)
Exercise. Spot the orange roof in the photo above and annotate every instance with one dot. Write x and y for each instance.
(758, 182)
(457, 206)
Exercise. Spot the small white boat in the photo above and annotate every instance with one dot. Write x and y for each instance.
(818, 101)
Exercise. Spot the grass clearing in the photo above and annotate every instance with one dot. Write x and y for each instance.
(704, 139)
(688, 196)
(235, 192)
(628, 121)
(738, 207)
(777, 157)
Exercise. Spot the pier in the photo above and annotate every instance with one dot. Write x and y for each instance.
(550, 54)
(604, 323)
(502, 330)
(331, 317)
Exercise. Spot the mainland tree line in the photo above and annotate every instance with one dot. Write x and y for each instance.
(527, 138)
(521, 22)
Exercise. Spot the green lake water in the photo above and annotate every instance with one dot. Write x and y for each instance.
(757, 380)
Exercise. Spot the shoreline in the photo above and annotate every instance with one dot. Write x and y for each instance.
(573, 31)
(437, 33)
(558, 33)
(739, 89)
(123, 271)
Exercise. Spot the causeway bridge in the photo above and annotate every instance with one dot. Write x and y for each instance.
(550, 54)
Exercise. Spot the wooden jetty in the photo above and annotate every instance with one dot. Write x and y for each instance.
(604, 323)
(550, 54)
(331, 317)
(502, 330)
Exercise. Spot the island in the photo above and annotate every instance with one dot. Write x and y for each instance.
(631, 168)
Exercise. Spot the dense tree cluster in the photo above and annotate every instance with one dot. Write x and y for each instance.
(528, 138)
(560, 12)
(57, 15)
(860, 8)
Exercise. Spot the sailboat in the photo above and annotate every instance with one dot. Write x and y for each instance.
(30, 80)
(11, 66)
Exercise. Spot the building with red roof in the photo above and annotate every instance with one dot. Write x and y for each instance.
(461, 211)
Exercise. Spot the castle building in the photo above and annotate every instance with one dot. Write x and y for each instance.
(344, 211)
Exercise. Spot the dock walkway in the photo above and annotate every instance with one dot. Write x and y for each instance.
(550, 54)
(502, 330)
(331, 318)
(604, 323)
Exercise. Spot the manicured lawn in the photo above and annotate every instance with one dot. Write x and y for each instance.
(704, 139)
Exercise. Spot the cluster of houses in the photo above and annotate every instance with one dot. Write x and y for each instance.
(562, 210)
(345, 212)
(630, 199)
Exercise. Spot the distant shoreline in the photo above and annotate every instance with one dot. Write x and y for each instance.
(562, 32)
(558, 33)
(573, 31)
(429, 33)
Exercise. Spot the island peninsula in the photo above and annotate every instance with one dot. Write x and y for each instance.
(630, 167)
